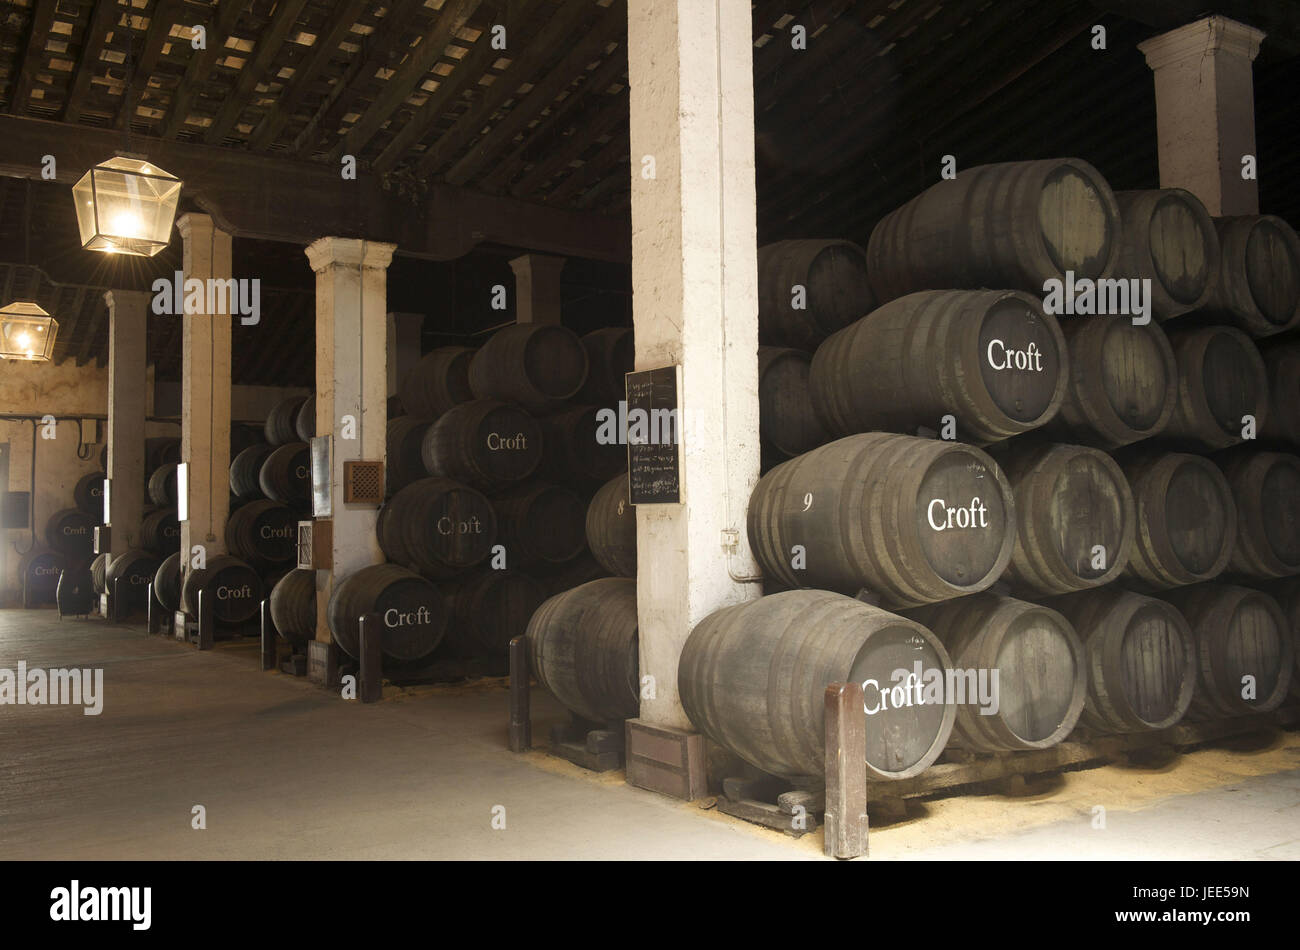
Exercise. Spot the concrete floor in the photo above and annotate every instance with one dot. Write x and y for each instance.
(285, 770)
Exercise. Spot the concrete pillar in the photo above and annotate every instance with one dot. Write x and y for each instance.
(205, 392)
(695, 302)
(537, 288)
(403, 346)
(1205, 110)
(128, 320)
(351, 389)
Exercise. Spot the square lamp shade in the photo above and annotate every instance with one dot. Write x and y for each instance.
(27, 332)
(126, 206)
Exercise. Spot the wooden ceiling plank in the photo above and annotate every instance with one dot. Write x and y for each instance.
(37, 36)
(322, 51)
(610, 156)
(542, 95)
(102, 21)
(200, 67)
(270, 41)
(161, 22)
(433, 46)
(556, 34)
(607, 118)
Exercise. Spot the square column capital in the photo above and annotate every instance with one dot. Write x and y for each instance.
(195, 226)
(351, 252)
(1211, 35)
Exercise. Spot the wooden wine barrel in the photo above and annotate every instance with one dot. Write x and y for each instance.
(160, 532)
(159, 451)
(1040, 666)
(1282, 365)
(1122, 384)
(1258, 286)
(286, 475)
(557, 578)
(235, 587)
(74, 592)
(38, 573)
(483, 443)
(98, 568)
(88, 495)
(611, 528)
(413, 613)
(915, 520)
(130, 574)
(1071, 501)
(1239, 632)
(787, 422)
(264, 533)
(162, 486)
(580, 447)
(70, 532)
(437, 527)
(583, 648)
(293, 606)
(1186, 519)
(246, 471)
(439, 381)
(1141, 659)
(753, 679)
(990, 358)
(535, 365)
(1221, 378)
(808, 289)
(279, 428)
(1169, 239)
(611, 355)
(1012, 225)
(540, 522)
(304, 422)
(167, 582)
(490, 608)
(1286, 592)
(405, 462)
(1266, 489)
(244, 435)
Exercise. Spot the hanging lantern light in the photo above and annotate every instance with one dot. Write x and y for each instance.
(27, 332)
(126, 205)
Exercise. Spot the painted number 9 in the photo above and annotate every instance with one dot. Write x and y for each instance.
(807, 501)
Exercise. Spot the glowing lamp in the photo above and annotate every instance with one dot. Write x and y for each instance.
(27, 332)
(126, 206)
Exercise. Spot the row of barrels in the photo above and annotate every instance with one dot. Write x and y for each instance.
(987, 673)
(922, 520)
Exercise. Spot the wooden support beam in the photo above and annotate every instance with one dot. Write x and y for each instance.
(256, 196)
(200, 68)
(615, 152)
(327, 44)
(556, 34)
(269, 42)
(42, 20)
(102, 21)
(607, 119)
(160, 24)
(433, 45)
(542, 94)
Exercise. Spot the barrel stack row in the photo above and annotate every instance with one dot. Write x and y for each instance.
(1102, 510)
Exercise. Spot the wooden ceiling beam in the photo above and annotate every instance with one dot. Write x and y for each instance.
(322, 51)
(542, 95)
(453, 16)
(102, 22)
(202, 63)
(611, 155)
(160, 26)
(270, 41)
(608, 116)
(557, 33)
(37, 36)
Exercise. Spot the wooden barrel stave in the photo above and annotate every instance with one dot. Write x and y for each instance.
(611, 528)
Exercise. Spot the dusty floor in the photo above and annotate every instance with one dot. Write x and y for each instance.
(283, 769)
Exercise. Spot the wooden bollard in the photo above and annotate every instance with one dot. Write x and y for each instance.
(206, 620)
(269, 651)
(846, 774)
(371, 687)
(521, 726)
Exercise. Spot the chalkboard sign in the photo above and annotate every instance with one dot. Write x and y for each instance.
(653, 437)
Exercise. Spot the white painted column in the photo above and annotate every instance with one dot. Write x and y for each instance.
(1205, 110)
(403, 346)
(537, 288)
(205, 392)
(351, 390)
(695, 302)
(128, 321)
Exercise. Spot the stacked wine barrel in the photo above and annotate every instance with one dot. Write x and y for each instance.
(983, 425)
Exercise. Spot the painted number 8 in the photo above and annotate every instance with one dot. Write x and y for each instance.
(807, 501)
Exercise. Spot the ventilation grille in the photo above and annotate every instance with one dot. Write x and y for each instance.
(363, 483)
(314, 545)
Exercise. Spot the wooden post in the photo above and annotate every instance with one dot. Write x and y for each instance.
(371, 687)
(521, 726)
(268, 638)
(151, 612)
(114, 601)
(206, 620)
(846, 773)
